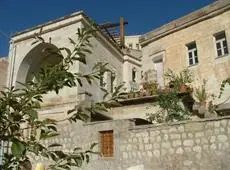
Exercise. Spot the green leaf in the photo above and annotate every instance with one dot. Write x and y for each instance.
(52, 127)
(77, 149)
(93, 145)
(18, 148)
(54, 145)
(33, 114)
(79, 81)
(72, 41)
(71, 111)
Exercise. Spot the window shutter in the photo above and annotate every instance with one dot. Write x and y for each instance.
(106, 138)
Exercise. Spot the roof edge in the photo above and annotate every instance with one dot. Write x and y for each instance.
(84, 18)
(192, 18)
(49, 23)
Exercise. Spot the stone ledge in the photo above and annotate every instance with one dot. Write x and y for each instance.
(179, 123)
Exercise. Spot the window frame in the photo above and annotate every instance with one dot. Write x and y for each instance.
(194, 52)
(221, 41)
(103, 79)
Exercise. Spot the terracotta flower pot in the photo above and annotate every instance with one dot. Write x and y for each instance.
(183, 88)
(203, 104)
(143, 93)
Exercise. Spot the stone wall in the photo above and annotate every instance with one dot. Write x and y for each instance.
(192, 145)
(188, 145)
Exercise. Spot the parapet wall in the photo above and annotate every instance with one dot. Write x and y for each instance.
(187, 145)
(192, 145)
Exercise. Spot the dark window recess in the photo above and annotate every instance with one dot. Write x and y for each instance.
(134, 75)
(113, 77)
(102, 84)
(196, 59)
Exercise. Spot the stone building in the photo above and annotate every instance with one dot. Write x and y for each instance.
(198, 41)
(26, 59)
(133, 42)
(3, 72)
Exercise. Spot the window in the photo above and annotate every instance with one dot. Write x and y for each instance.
(137, 46)
(221, 44)
(113, 82)
(106, 138)
(142, 75)
(192, 53)
(102, 80)
(134, 74)
(130, 45)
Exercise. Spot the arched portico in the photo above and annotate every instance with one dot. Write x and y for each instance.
(34, 60)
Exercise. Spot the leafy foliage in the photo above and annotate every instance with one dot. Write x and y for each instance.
(171, 108)
(171, 105)
(19, 108)
(222, 86)
(200, 94)
(151, 87)
(183, 78)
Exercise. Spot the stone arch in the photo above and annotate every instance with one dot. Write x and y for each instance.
(34, 60)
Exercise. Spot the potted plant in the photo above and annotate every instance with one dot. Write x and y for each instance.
(131, 94)
(179, 81)
(152, 88)
(149, 88)
(142, 92)
(185, 78)
(201, 95)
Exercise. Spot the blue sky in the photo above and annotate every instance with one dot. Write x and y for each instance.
(142, 15)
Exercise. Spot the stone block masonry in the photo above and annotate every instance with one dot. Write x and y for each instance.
(188, 145)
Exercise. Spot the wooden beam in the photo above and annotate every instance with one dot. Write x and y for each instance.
(122, 32)
(111, 25)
